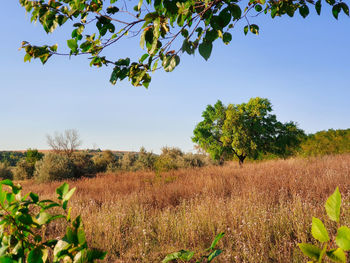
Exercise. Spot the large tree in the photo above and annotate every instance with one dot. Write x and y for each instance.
(165, 28)
(208, 132)
(245, 130)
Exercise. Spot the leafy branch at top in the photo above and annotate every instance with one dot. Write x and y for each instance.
(158, 23)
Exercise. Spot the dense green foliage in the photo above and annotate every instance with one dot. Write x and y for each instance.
(326, 142)
(245, 130)
(32, 156)
(332, 248)
(23, 225)
(165, 28)
(11, 157)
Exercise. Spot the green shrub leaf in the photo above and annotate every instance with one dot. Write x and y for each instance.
(182, 255)
(216, 240)
(311, 251)
(35, 256)
(343, 238)
(333, 205)
(318, 230)
(336, 255)
(214, 254)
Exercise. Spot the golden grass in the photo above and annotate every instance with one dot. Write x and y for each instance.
(264, 208)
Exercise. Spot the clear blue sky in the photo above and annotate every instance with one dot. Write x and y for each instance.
(301, 65)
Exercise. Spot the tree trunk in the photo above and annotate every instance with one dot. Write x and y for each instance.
(241, 160)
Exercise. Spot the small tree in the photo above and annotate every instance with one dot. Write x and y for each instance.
(32, 156)
(54, 167)
(102, 160)
(245, 130)
(66, 142)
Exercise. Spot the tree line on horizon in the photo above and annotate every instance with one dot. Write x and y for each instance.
(58, 165)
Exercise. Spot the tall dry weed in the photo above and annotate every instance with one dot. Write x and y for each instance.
(264, 208)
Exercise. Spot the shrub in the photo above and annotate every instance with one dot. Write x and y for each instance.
(23, 170)
(196, 160)
(145, 160)
(54, 167)
(5, 171)
(170, 159)
(102, 160)
(24, 222)
(113, 167)
(127, 162)
(32, 156)
(83, 164)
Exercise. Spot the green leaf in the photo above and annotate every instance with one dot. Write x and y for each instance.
(205, 49)
(27, 57)
(254, 29)
(343, 238)
(181, 255)
(333, 205)
(72, 44)
(258, 8)
(25, 219)
(216, 240)
(7, 259)
(81, 236)
(35, 256)
(144, 56)
(336, 255)
(214, 254)
(112, 10)
(309, 250)
(304, 11)
(245, 30)
(34, 197)
(336, 10)
(7, 182)
(93, 254)
(345, 8)
(62, 190)
(139, 5)
(319, 231)
(226, 38)
(170, 62)
(235, 11)
(43, 218)
(60, 246)
(68, 195)
(318, 7)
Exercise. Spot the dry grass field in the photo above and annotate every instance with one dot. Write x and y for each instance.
(264, 208)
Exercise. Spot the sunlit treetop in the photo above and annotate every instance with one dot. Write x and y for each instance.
(194, 24)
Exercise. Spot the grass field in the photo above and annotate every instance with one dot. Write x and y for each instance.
(264, 208)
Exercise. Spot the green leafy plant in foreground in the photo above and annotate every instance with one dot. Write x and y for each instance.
(185, 255)
(24, 221)
(332, 248)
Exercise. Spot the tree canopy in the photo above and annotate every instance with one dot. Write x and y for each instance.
(166, 28)
(245, 130)
(326, 142)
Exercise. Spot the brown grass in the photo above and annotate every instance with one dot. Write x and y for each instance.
(264, 208)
